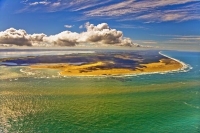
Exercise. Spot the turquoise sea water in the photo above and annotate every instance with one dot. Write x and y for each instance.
(37, 102)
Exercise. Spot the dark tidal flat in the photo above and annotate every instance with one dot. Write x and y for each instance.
(38, 102)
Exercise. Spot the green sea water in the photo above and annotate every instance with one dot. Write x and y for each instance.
(154, 103)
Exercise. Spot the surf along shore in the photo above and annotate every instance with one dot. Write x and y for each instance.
(99, 68)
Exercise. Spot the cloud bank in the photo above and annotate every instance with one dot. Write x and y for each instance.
(100, 34)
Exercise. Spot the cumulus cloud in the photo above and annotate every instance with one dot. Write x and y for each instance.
(20, 37)
(100, 34)
(65, 38)
(13, 36)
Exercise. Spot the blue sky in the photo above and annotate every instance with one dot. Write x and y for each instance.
(160, 23)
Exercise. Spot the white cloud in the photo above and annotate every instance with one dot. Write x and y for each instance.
(89, 4)
(146, 10)
(149, 42)
(127, 26)
(133, 6)
(65, 38)
(59, 5)
(68, 26)
(24, 1)
(99, 35)
(150, 9)
(13, 36)
(181, 42)
(56, 4)
(188, 38)
(39, 3)
(20, 37)
(81, 26)
(182, 37)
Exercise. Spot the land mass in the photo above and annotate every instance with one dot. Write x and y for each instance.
(105, 68)
(100, 63)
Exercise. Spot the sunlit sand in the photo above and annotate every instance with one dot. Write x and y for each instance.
(92, 69)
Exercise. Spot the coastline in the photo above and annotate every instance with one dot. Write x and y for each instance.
(184, 66)
(163, 66)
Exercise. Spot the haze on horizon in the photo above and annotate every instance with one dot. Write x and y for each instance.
(163, 24)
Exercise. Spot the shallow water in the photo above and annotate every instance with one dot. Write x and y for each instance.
(141, 104)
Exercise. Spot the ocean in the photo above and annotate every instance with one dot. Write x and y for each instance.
(43, 102)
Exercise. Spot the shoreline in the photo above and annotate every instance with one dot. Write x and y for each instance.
(184, 66)
(163, 66)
